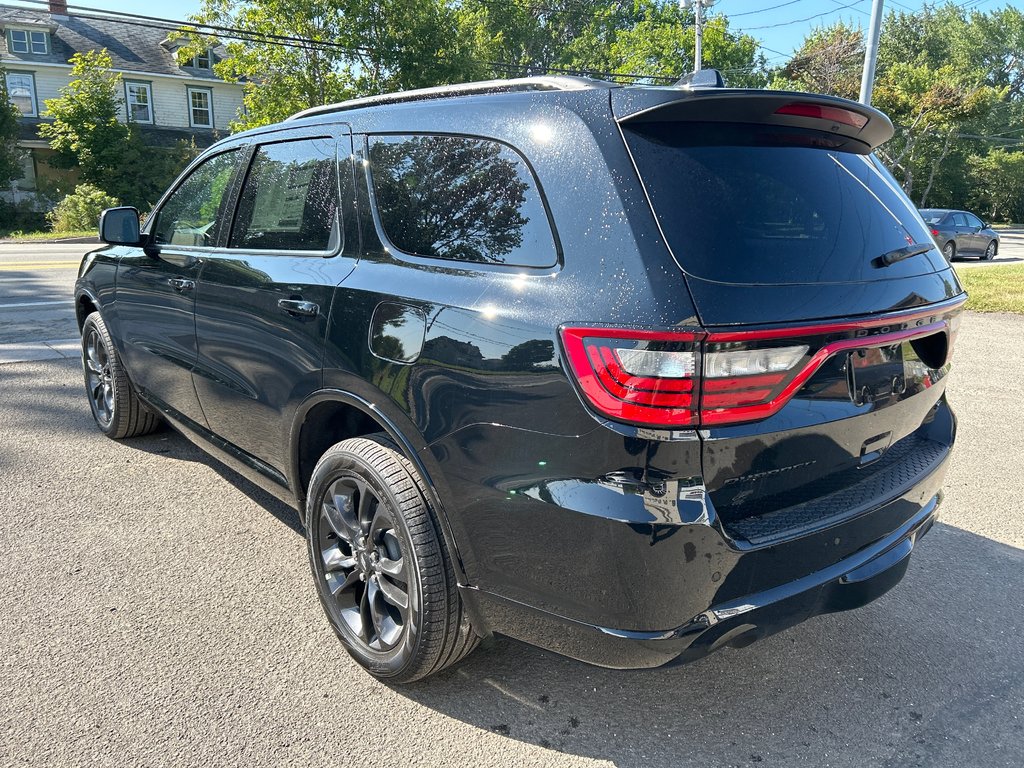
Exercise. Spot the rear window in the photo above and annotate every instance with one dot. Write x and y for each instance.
(741, 205)
(932, 217)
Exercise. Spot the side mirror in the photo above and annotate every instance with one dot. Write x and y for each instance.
(120, 226)
(986, 225)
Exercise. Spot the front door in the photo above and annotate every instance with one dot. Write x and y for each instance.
(263, 302)
(156, 286)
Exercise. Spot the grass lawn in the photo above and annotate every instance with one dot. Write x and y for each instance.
(17, 237)
(994, 289)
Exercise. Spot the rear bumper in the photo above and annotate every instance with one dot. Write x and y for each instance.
(850, 583)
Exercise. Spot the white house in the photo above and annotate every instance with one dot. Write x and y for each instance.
(168, 101)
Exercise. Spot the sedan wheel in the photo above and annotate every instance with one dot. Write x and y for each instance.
(949, 251)
(990, 252)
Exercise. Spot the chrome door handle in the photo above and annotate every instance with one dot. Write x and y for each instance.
(181, 284)
(299, 307)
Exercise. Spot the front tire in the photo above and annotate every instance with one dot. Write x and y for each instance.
(949, 251)
(118, 411)
(990, 251)
(383, 573)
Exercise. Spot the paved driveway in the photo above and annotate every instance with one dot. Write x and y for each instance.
(155, 609)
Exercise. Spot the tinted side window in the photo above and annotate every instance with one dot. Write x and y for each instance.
(289, 201)
(959, 220)
(193, 215)
(458, 198)
(974, 221)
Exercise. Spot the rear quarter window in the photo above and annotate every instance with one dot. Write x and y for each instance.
(460, 199)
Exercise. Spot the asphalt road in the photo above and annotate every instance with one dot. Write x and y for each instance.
(156, 609)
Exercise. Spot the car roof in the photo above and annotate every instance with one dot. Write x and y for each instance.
(629, 101)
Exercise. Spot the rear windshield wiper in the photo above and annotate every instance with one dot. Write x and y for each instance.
(899, 254)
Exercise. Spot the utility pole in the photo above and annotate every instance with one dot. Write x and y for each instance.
(698, 25)
(867, 81)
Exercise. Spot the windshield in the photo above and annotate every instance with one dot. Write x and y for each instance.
(761, 210)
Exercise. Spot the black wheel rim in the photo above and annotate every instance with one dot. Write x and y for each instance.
(98, 379)
(365, 574)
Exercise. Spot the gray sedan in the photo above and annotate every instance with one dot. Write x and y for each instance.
(961, 233)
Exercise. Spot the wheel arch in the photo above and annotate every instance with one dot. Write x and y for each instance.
(85, 304)
(342, 414)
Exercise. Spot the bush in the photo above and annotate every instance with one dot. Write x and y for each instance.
(80, 211)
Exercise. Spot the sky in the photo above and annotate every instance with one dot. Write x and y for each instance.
(780, 25)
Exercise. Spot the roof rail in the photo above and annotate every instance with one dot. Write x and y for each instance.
(516, 85)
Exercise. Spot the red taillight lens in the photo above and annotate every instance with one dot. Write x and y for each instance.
(644, 377)
(935, 233)
(824, 112)
(688, 378)
(739, 378)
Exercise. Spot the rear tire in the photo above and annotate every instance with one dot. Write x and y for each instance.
(382, 571)
(990, 251)
(118, 411)
(949, 251)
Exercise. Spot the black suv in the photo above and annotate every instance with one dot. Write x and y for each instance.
(628, 373)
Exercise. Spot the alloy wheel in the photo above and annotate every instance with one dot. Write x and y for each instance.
(364, 567)
(99, 377)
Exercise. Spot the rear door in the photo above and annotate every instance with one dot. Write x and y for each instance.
(979, 241)
(829, 311)
(263, 302)
(964, 234)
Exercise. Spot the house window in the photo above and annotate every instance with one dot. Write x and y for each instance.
(27, 41)
(202, 60)
(21, 90)
(139, 97)
(200, 109)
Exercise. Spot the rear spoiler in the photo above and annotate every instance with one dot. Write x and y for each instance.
(849, 119)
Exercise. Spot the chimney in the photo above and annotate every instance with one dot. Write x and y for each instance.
(59, 7)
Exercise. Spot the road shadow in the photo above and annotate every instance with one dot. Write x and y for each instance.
(63, 409)
(932, 665)
(168, 442)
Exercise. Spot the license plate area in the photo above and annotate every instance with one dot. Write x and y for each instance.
(876, 374)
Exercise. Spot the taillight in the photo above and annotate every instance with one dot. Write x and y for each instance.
(695, 378)
(935, 233)
(738, 379)
(824, 112)
(643, 377)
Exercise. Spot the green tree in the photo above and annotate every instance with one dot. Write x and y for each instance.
(85, 132)
(355, 48)
(998, 184)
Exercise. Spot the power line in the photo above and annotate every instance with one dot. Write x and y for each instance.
(763, 10)
(173, 25)
(806, 18)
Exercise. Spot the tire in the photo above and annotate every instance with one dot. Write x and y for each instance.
(949, 251)
(374, 545)
(118, 411)
(990, 251)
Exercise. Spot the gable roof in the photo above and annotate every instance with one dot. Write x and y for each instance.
(132, 47)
